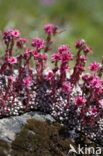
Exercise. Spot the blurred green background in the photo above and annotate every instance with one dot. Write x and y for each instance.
(81, 19)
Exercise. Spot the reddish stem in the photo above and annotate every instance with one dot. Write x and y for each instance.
(28, 98)
(11, 47)
(68, 101)
(48, 42)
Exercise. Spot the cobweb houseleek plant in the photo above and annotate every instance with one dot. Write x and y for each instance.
(53, 91)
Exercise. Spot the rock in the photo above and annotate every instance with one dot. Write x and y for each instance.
(43, 117)
(10, 127)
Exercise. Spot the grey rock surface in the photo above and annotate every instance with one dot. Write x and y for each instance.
(11, 126)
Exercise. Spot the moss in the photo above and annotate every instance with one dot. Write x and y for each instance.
(48, 140)
(4, 148)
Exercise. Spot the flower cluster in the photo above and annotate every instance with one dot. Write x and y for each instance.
(21, 43)
(27, 82)
(51, 29)
(12, 60)
(80, 101)
(38, 43)
(94, 66)
(56, 87)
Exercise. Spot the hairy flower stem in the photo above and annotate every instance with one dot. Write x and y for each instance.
(85, 108)
(53, 87)
(20, 74)
(41, 72)
(11, 48)
(21, 70)
(29, 67)
(3, 105)
(68, 101)
(38, 72)
(48, 43)
(11, 69)
(54, 80)
(9, 90)
(83, 88)
(7, 94)
(7, 53)
(62, 74)
(73, 76)
(3, 67)
(5, 64)
(14, 96)
(100, 71)
(28, 98)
